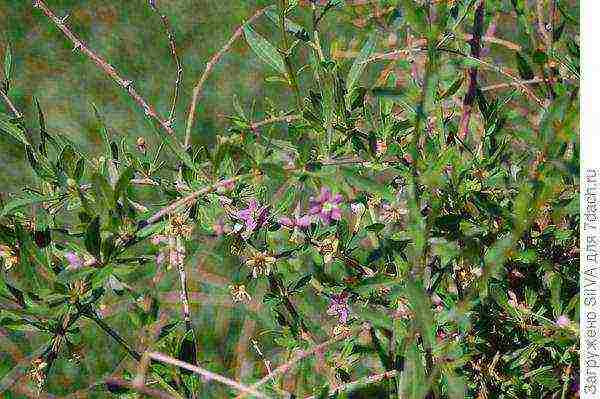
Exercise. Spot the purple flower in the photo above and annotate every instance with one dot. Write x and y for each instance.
(160, 258)
(301, 222)
(296, 220)
(253, 217)
(338, 306)
(563, 321)
(75, 262)
(326, 206)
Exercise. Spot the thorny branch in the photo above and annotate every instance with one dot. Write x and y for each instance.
(105, 66)
(209, 375)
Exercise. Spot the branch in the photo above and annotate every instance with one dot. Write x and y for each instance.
(523, 87)
(209, 375)
(469, 99)
(275, 119)
(209, 67)
(191, 198)
(512, 84)
(171, 38)
(284, 368)
(105, 66)
(91, 314)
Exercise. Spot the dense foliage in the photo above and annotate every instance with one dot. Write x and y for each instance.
(405, 226)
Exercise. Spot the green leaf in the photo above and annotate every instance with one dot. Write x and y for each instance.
(376, 227)
(93, 241)
(13, 130)
(104, 192)
(103, 132)
(40, 165)
(187, 351)
(264, 50)
(7, 62)
(390, 93)
(301, 282)
(123, 182)
(360, 62)
(16, 203)
(452, 89)
(44, 136)
(525, 70)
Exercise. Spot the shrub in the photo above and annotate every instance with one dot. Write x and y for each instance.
(405, 226)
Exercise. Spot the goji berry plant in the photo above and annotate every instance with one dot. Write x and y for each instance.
(404, 224)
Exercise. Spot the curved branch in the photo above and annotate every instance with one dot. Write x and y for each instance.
(209, 67)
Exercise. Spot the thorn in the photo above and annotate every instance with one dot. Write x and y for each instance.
(169, 122)
(64, 19)
(36, 4)
(127, 83)
(76, 47)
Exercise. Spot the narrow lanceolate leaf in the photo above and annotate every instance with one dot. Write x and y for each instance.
(93, 241)
(360, 63)
(7, 63)
(264, 50)
(13, 130)
(103, 132)
(18, 203)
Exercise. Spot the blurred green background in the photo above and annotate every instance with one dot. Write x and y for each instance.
(131, 37)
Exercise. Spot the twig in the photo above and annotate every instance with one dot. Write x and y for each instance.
(284, 368)
(469, 99)
(399, 53)
(209, 67)
(171, 37)
(351, 386)
(512, 84)
(206, 374)
(275, 119)
(91, 314)
(499, 70)
(10, 105)
(189, 199)
(139, 388)
(105, 66)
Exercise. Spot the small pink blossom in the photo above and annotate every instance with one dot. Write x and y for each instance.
(338, 306)
(563, 321)
(159, 239)
(75, 261)
(297, 220)
(326, 206)
(253, 217)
